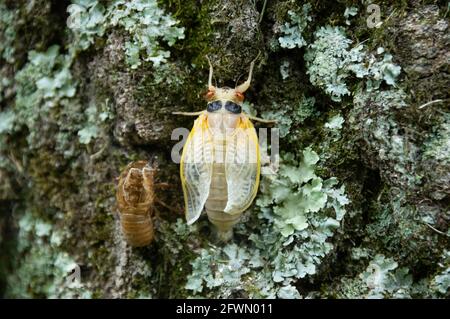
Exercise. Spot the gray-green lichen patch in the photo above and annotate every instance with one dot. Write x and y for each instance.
(147, 26)
(436, 160)
(385, 141)
(330, 61)
(7, 33)
(292, 31)
(45, 268)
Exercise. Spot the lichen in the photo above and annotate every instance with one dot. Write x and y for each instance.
(147, 25)
(292, 31)
(43, 86)
(45, 270)
(7, 33)
(289, 118)
(441, 282)
(383, 278)
(330, 59)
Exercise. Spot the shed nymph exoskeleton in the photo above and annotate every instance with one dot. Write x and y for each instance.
(136, 201)
(220, 164)
(135, 197)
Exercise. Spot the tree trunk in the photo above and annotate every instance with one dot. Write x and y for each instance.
(358, 207)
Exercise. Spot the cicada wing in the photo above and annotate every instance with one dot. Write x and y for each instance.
(242, 167)
(196, 168)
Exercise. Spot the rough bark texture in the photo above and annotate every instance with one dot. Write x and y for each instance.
(79, 102)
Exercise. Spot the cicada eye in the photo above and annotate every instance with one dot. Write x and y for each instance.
(214, 106)
(240, 96)
(209, 95)
(233, 107)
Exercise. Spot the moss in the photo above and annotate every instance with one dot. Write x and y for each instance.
(236, 23)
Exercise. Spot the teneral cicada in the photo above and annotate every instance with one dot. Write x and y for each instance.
(220, 163)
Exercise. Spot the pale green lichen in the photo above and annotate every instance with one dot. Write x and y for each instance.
(7, 119)
(173, 235)
(335, 123)
(44, 86)
(226, 275)
(436, 158)
(306, 226)
(298, 193)
(290, 117)
(330, 61)
(292, 30)
(441, 282)
(5, 83)
(395, 152)
(382, 278)
(46, 89)
(96, 115)
(7, 33)
(44, 270)
(438, 146)
(147, 25)
(284, 69)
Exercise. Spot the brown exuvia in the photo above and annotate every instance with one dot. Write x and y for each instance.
(135, 199)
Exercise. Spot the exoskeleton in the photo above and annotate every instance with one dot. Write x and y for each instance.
(220, 163)
(135, 199)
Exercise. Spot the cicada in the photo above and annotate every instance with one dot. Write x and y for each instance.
(220, 163)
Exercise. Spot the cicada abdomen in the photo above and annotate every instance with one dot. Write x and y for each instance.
(135, 199)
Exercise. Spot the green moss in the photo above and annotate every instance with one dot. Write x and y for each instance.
(198, 30)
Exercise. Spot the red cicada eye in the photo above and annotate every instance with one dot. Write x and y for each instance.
(240, 96)
(209, 95)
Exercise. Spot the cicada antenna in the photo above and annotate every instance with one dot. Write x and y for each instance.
(211, 71)
(244, 86)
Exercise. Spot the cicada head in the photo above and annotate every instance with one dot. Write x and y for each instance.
(235, 95)
(135, 199)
